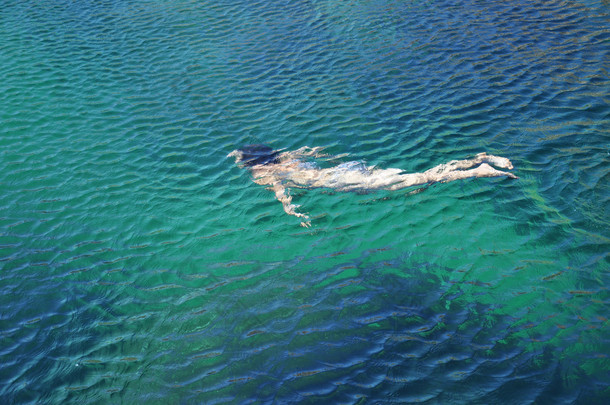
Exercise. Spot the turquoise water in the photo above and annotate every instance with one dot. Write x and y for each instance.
(140, 264)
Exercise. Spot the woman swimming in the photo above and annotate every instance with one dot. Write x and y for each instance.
(282, 170)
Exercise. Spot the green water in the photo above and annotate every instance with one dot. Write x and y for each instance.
(138, 263)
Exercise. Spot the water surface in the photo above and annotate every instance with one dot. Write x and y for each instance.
(137, 263)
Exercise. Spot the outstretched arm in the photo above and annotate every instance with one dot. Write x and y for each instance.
(306, 151)
(315, 152)
(282, 196)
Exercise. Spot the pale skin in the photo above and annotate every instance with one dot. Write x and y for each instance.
(291, 172)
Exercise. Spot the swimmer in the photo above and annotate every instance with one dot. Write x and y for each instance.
(280, 170)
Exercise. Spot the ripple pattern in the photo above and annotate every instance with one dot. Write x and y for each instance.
(137, 263)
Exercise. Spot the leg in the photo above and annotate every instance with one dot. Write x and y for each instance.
(443, 174)
(498, 161)
(484, 170)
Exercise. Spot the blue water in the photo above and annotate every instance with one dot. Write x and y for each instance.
(139, 264)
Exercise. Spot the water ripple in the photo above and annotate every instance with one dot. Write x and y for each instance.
(138, 263)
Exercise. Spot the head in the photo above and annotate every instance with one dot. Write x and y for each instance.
(252, 155)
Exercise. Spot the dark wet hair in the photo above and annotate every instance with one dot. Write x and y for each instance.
(252, 155)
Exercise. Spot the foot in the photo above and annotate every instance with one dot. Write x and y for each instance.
(497, 161)
(486, 170)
